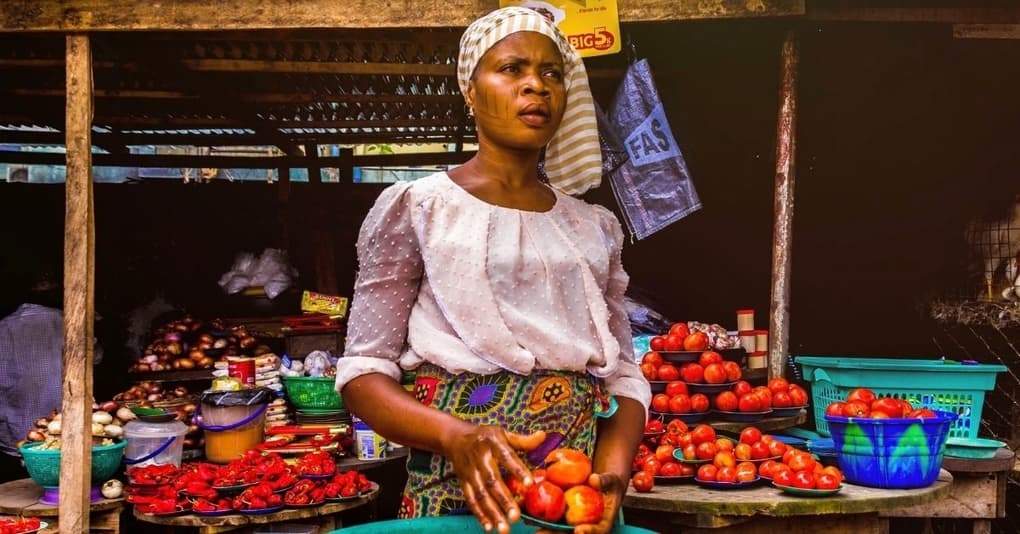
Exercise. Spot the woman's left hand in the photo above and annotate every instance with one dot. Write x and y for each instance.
(613, 488)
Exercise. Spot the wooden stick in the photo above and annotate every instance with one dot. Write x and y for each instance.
(782, 233)
(79, 296)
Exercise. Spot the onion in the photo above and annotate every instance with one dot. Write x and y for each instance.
(112, 489)
(189, 443)
(35, 435)
(180, 391)
(219, 343)
(113, 431)
(189, 407)
(125, 414)
(172, 337)
(54, 427)
(196, 354)
(103, 418)
(41, 422)
(152, 397)
(205, 338)
(174, 348)
(97, 429)
(204, 345)
(108, 406)
(184, 363)
(154, 388)
(150, 358)
(192, 429)
(246, 342)
(205, 363)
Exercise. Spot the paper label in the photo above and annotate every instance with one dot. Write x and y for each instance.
(591, 26)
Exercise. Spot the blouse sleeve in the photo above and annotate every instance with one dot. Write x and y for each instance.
(389, 272)
(627, 381)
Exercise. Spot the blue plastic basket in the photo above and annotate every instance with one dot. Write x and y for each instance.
(936, 384)
(461, 524)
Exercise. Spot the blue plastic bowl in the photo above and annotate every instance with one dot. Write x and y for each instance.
(461, 524)
(895, 453)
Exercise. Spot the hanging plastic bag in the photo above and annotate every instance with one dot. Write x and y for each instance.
(653, 186)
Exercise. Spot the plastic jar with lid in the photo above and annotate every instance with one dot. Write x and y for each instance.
(154, 442)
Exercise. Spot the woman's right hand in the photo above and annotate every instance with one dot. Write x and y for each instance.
(477, 454)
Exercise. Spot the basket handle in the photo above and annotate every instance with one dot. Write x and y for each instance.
(820, 375)
(220, 428)
(153, 454)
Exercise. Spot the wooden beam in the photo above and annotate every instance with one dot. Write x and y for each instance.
(223, 15)
(240, 162)
(782, 232)
(319, 67)
(819, 11)
(191, 139)
(79, 293)
(986, 31)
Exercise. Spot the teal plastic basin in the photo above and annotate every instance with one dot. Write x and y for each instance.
(466, 524)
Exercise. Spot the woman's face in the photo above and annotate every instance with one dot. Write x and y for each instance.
(517, 92)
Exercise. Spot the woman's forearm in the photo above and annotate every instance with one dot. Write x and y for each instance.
(396, 415)
(619, 437)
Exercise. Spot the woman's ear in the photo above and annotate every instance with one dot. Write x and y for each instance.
(469, 96)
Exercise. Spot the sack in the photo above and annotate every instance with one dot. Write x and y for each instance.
(653, 186)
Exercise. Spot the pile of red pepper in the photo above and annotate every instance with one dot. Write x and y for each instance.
(257, 497)
(347, 484)
(316, 463)
(17, 525)
(152, 475)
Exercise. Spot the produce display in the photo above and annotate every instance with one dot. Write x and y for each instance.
(560, 493)
(694, 336)
(190, 343)
(258, 482)
(862, 402)
(19, 525)
(108, 422)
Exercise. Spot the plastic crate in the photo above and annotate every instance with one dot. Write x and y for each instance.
(936, 384)
(461, 524)
(313, 392)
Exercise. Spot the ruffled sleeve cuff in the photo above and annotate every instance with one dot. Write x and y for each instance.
(350, 367)
(628, 382)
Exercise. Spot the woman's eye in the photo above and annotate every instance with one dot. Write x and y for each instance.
(554, 74)
(510, 68)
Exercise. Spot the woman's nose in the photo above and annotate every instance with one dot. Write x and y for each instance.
(534, 83)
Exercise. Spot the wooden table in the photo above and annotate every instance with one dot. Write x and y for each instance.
(768, 424)
(21, 497)
(765, 509)
(324, 515)
(978, 492)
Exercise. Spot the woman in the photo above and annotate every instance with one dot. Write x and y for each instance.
(505, 295)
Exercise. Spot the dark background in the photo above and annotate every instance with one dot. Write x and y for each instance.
(904, 134)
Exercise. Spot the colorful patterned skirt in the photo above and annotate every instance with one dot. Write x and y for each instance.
(560, 403)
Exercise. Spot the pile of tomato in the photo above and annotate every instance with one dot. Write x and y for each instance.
(18, 525)
(560, 492)
(862, 402)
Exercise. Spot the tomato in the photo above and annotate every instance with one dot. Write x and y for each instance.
(724, 459)
(706, 450)
(750, 434)
(834, 472)
(664, 453)
(674, 343)
(676, 426)
(699, 403)
(714, 373)
(567, 467)
(804, 479)
(759, 450)
(906, 407)
(657, 343)
(651, 465)
(826, 482)
(675, 388)
(802, 461)
(742, 451)
(778, 384)
(696, 341)
(835, 408)
(653, 357)
(690, 451)
(746, 472)
(679, 329)
(732, 369)
(750, 403)
(660, 403)
(708, 357)
(879, 415)
(670, 468)
(727, 401)
(777, 448)
(798, 396)
(742, 386)
(653, 426)
(864, 395)
(766, 467)
(692, 373)
(680, 404)
(687, 470)
(781, 399)
(642, 482)
(650, 371)
(668, 372)
(724, 444)
(923, 413)
(707, 472)
(856, 409)
(726, 474)
(783, 477)
(545, 501)
(765, 394)
(585, 505)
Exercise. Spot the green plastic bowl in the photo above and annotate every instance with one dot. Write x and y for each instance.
(44, 465)
(461, 524)
(972, 448)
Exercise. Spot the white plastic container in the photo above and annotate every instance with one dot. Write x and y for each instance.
(371, 446)
(154, 443)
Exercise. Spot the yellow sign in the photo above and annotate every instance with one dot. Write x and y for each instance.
(592, 26)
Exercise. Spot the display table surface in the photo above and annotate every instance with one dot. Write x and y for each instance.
(226, 523)
(21, 497)
(854, 509)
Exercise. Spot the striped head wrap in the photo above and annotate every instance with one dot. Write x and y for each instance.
(573, 159)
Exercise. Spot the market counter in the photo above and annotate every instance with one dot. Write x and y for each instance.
(694, 508)
(21, 498)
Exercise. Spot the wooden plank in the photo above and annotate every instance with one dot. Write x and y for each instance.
(842, 524)
(79, 296)
(986, 31)
(782, 232)
(245, 139)
(820, 11)
(970, 497)
(319, 67)
(135, 15)
(240, 162)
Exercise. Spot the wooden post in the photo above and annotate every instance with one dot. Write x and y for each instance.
(782, 233)
(79, 292)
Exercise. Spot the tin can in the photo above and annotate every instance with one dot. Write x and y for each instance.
(747, 340)
(761, 340)
(745, 320)
(242, 369)
(757, 359)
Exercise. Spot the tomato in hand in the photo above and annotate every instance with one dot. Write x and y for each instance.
(567, 467)
(545, 501)
(585, 505)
